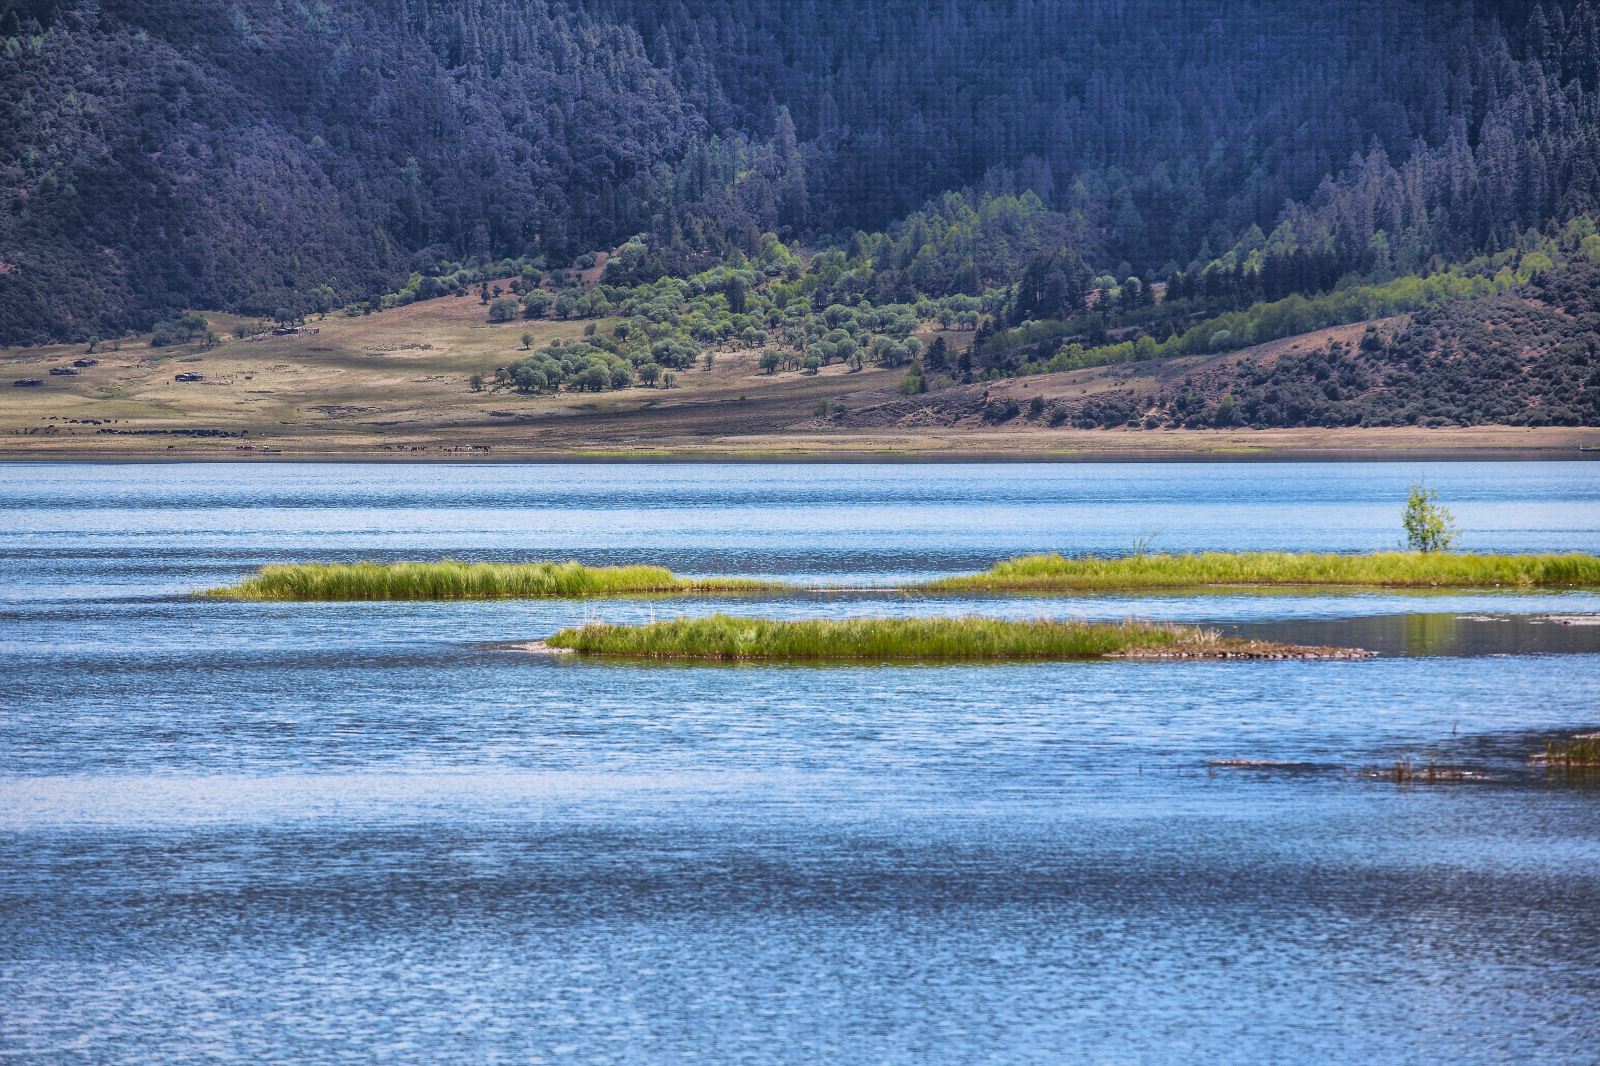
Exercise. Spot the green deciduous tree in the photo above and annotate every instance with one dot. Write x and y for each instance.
(1429, 526)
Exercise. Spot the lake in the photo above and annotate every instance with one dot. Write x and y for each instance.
(307, 832)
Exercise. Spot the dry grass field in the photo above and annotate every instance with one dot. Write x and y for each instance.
(396, 385)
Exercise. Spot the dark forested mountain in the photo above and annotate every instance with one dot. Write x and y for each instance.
(261, 154)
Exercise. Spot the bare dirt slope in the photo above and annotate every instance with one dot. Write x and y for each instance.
(963, 406)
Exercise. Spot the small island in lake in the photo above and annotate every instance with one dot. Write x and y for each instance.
(452, 579)
(1396, 569)
(969, 638)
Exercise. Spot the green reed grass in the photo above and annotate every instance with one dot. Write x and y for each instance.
(454, 580)
(1056, 573)
(721, 636)
(1581, 751)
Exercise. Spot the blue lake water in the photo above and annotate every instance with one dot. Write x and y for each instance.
(308, 832)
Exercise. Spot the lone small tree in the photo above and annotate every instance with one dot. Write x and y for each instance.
(1429, 526)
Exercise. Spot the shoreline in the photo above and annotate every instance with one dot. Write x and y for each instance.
(1468, 444)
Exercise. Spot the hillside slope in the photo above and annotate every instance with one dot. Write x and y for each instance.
(1498, 375)
(1531, 358)
(258, 157)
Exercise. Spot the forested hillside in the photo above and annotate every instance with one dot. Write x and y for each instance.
(1528, 358)
(265, 156)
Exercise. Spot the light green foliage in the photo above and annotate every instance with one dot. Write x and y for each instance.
(805, 314)
(591, 365)
(1429, 526)
(536, 304)
(728, 637)
(763, 304)
(451, 579)
(179, 330)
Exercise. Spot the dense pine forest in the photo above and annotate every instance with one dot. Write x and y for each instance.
(1058, 175)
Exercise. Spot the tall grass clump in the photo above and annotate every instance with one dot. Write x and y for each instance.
(1056, 573)
(721, 636)
(1582, 751)
(455, 580)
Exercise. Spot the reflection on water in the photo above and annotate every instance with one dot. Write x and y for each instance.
(1421, 634)
(1431, 634)
(304, 832)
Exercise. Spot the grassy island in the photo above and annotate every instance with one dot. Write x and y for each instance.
(453, 580)
(938, 639)
(1056, 573)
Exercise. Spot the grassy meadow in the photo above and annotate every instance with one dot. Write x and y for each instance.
(396, 385)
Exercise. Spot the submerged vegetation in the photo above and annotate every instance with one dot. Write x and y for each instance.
(1406, 772)
(1056, 573)
(451, 579)
(967, 638)
(1581, 752)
